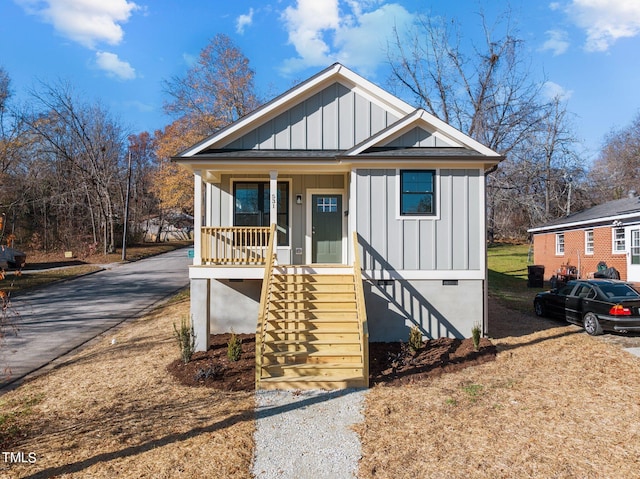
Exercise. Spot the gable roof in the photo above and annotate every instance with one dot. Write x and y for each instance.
(616, 210)
(335, 73)
(421, 119)
(337, 115)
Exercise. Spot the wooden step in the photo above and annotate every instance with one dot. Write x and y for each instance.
(321, 369)
(310, 279)
(313, 305)
(311, 295)
(313, 342)
(328, 382)
(313, 288)
(316, 333)
(325, 353)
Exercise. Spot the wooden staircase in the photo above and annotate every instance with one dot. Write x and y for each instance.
(312, 328)
(313, 336)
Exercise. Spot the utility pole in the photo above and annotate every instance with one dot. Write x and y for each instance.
(126, 212)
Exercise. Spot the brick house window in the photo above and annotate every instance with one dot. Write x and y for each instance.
(619, 243)
(588, 242)
(560, 243)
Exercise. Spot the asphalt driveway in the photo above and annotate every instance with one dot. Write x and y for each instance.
(58, 318)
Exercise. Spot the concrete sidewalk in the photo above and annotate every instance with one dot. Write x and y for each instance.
(56, 319)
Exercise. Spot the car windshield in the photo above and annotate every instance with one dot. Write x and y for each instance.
(619, 291)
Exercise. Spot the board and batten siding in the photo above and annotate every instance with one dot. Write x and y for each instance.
(336, 118)
(449, 241)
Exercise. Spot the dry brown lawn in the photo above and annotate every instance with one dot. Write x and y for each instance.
(555, 404)
(113, 411)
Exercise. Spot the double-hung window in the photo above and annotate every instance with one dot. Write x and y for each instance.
(560, 244)
(619, 243)
(252, 208)
(417, 193)
(588, 242)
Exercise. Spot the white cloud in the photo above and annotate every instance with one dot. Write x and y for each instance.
(353, 32)
(110, 63)
(306, 25)
(605, 21)
(552, 90)
(244, 21)
(557, 42)
(87, 22)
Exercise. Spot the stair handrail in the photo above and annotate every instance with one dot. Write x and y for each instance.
(361, 309)
(264, 301)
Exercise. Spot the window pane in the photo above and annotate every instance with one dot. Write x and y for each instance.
(247, 198)
(417, 204)
(253, 207)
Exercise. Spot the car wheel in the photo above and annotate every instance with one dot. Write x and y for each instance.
(591, 324)
(539, 307)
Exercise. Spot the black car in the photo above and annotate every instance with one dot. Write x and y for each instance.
(596, 304)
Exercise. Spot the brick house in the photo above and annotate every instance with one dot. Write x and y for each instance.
(609, 232)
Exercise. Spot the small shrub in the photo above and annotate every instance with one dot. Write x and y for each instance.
(186, 339)
(208, 373)
(476, 332)
(405, 357)
(415, 338)
(234, 348)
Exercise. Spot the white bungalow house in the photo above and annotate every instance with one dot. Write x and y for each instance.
(378, 210)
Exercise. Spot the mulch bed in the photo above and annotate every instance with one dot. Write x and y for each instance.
(392, 364)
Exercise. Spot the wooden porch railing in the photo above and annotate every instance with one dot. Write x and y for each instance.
(235, 245)
(263, 311)
(360, 306)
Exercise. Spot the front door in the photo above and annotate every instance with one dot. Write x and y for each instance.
(326, 228)
(633, 260)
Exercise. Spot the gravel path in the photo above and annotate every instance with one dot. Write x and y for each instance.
(307, 434)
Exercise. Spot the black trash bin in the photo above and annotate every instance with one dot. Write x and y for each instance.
(535, 276)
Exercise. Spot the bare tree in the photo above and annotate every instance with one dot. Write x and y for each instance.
(86, 146)
(216, 91)
(491, 95)
(616, 171)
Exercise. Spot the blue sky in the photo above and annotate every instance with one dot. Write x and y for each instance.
(120, 51)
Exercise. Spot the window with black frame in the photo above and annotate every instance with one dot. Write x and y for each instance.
(251, 207)
(417, 193)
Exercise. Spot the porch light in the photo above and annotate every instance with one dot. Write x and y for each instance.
(298, 199)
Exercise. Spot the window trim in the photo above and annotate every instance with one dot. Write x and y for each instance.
(615, 241)
(254, 179)
(589, 251)
(436, 195)
(559, 251)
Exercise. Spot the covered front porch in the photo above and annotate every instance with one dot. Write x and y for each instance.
(233, 211)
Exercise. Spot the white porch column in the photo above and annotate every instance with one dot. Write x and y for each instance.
(197, 217)
(200, 307)
(208, 206)
(273, 197)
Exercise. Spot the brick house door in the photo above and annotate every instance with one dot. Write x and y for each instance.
(633, 259)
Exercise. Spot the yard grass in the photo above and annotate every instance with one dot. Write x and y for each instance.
(507, 265)
(25, 280)
(14, 282)
(547, 407)
(112, 410)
